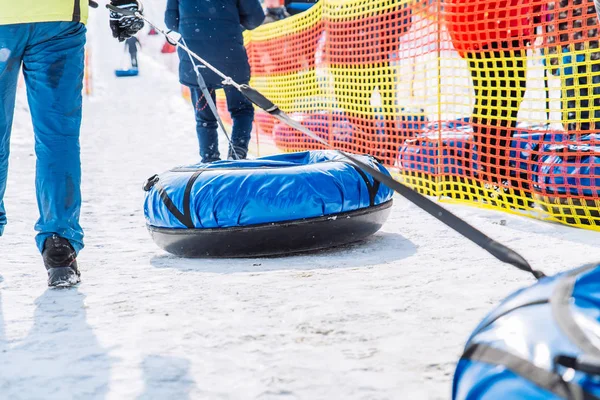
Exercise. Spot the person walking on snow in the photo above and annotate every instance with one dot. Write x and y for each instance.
(213, 30)
(47, 38)
(131, 44)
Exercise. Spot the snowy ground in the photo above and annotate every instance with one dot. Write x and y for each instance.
(384, 319)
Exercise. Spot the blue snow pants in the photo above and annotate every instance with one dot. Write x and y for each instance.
(242, 114)
(52, 57)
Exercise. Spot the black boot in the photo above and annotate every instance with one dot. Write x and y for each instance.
(60, 261)
(240, 153)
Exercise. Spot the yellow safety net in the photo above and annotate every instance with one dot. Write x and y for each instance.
(491, 102)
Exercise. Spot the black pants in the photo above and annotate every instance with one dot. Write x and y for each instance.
(134, 62)
(499, 81)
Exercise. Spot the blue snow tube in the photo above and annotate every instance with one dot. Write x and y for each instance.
(272, 205)
(540, 343)
(456, 136)
(126, 72)
(567, 181)
(527, 144)
(422, 154)
(572, 168)
(574, 174)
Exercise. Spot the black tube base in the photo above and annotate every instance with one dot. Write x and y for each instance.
(273, 239)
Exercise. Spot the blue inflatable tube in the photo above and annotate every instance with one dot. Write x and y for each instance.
(459, 153)
(271, 205)
(571, 169)
(527, 145)
(540, 343)
(567, 181)
(422, 153)
(126, 72)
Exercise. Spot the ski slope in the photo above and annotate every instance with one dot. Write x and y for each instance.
(383, 319)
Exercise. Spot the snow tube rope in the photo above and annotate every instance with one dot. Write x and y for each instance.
(576, 351)
(185, 217)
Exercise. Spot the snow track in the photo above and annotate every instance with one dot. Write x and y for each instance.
(384, 319)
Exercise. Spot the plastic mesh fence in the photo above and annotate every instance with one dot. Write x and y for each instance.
(491, 102)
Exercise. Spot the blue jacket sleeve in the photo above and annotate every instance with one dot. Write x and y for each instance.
(251, 13)
(172, 15)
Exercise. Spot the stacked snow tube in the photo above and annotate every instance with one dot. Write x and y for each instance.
(527, 144)
(422, 154)
(332, 127)
(567, 181)
(272, 205)
(456, 137)
(540, 343)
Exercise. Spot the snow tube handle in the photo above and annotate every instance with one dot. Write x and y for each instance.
(257, 98)
(150, 182)
(584, 363)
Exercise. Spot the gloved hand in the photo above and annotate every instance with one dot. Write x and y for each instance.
(125, 26)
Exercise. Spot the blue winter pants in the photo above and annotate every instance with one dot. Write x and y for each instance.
(52, 57)
(242, 114)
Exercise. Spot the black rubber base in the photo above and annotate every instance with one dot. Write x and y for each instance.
(273, 239)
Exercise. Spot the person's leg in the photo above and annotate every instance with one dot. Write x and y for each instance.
(499, 80)
(511, 67)
(242, 114)
(13, 39)
(479, 118)
(134, 62)
(206, 126)
(508, 84)
(53, 67)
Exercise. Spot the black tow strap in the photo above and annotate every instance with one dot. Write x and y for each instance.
(547, 380)
(184, 217)
(77, 11)
(372, 188)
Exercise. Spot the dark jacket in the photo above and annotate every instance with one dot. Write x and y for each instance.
(213, 30)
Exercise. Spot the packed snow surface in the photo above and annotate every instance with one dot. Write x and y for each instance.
(382, 319)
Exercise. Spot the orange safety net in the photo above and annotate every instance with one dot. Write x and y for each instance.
(491, 102)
